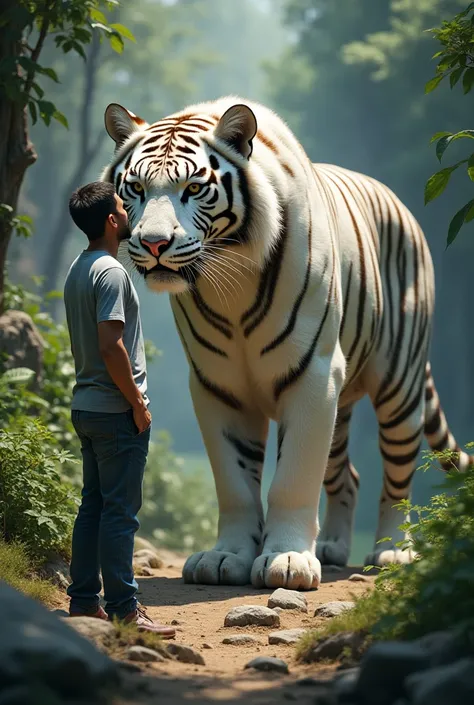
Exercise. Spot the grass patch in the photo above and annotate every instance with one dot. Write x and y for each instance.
(127, 635)
(18, 570)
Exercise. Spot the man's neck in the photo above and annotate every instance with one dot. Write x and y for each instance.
(104, 244)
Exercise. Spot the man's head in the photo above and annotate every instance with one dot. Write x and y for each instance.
(97, 210)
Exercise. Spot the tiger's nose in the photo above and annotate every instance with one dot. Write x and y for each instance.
(156, 248)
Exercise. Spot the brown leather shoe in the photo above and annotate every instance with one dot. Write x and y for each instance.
(100, 614)
(144, 623)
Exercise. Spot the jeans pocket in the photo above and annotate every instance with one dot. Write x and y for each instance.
(133, 426)
(101, 431)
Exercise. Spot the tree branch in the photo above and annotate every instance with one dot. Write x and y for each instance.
(36, 51)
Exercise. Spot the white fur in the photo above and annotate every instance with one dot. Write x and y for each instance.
(282, 182)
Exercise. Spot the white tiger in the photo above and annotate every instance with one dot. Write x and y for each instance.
(297, 288)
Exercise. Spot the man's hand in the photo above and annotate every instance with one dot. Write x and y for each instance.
(142, 417)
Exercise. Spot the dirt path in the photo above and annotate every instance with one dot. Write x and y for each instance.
(200, 612)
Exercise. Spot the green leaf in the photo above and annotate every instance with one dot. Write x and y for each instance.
(33, 111)
(458, 221)
(123, 31)
(60, 117)
(438, 182)
(470, 167)
(444, 142)
(437, 135)
(97, 15)
(18, 375)
(468, 80)
(431, 85)
(469, 215)
(51, 73)
(455, 76)
(38, 90)
(116, 42)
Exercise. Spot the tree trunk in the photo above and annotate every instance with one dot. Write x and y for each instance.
(16, 151)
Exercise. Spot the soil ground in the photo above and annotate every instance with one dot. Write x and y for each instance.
(200, 611)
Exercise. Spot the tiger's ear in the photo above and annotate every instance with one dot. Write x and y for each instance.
(120, 123)
(238, 127)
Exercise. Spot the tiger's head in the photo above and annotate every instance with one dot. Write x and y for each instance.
(189, 192)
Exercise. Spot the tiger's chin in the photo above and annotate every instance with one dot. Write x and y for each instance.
(166, 282)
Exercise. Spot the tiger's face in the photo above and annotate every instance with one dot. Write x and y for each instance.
(183, 184)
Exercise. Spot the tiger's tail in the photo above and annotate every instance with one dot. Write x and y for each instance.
(437, 432)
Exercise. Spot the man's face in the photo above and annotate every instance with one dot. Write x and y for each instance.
(123, 230)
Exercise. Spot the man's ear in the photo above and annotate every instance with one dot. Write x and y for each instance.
(238, 127)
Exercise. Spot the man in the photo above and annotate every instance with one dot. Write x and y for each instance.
(109, 411)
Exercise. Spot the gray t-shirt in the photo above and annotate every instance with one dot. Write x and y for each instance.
(98, 288)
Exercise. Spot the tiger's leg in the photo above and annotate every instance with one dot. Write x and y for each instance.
(400, 413)
(235, 444)
(341, 483)
(307, 417)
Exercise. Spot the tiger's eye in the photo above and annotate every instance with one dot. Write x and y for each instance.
(194, 188)
(137, 187)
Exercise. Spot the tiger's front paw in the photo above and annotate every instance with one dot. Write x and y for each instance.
(218, 568)
(292, 570)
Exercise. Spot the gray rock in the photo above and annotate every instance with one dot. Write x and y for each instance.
(332, 647)
(56, 569)
(40, 651)
(185, 654)
(384, 668)
(91, 627)
(333, 609)
(444, 647)
(359, 578)
(444, 684)
(288, 600)
(143, 655)
(345, 685)
(21, 341)
(268, 663)
(244, 615)
(240, 640)
(147, 558)
(286, 636)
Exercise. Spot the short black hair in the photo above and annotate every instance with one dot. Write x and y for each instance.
(91, 205)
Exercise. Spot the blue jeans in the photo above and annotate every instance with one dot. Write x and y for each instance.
(114, 457)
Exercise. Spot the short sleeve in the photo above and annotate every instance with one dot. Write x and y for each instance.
(111, 289)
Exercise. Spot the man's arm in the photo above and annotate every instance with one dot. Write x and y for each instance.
(118, 366)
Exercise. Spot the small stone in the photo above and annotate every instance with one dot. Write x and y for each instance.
(359, 578)
(288, 600)
(244, 615)
(440, 685)
(143, 655)
(332, 647)
(333, 609)
(147, 557)
(91, 627)
(268, 663)
(286, 636)
(384, 669)
(175, 622)
(185, 654)
(207, 646)
(240, 640)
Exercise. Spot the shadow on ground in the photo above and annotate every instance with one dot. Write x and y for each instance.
(160, 591)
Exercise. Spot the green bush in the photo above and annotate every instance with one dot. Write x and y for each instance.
(433, 592)
(179, 508)
(37, 506)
